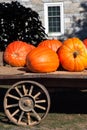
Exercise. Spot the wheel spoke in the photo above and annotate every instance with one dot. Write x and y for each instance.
(31, 89)
(18, 91)
(28, 117)
(20, 117)
(12, 96)
(41, 107)
(35, 96)
(13, 105)
(36, 115)
(15, 112)
(40, 101)
(25, 90)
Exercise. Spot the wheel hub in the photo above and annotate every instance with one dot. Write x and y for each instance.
(26, 103)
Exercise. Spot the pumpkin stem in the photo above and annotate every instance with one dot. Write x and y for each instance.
(75, 54)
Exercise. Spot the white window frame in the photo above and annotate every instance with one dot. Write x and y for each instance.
(46, 5)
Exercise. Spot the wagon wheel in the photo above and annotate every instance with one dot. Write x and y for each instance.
(26, 103)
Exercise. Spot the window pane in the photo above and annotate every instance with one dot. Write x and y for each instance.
(54, 11)
(54, 18)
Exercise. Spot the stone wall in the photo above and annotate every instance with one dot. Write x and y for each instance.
(74, 15)
(74, 18)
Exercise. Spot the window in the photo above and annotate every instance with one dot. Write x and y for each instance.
(53, 15)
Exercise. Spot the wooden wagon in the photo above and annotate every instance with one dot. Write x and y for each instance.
(27, 100)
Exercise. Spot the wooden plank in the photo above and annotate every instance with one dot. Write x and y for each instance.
(21, 72)
(1, 59)
(52, 81)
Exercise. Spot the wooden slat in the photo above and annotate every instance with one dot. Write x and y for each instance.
(21, 73)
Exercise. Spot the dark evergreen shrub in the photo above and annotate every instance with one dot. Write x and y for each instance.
(19, 23)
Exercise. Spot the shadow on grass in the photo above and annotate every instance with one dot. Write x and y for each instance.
(2, 93)
(3, 118)
(69, 101)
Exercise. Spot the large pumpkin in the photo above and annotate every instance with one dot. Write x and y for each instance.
(54, 44)
(42, 59)
(16, 52)
(85, 42)
(73, 55)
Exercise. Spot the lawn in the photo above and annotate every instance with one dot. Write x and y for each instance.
(54, 121)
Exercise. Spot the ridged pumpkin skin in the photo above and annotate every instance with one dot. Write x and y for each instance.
(42, 59)
(16, 52)
(85, 42)
(73, 55)
(53, 44)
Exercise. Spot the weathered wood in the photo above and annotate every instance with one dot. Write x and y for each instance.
(59, 79)
(1, 59)
(21, 72)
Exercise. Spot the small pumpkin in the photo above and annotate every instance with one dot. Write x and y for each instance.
(16, 52)
(73, 55)
(54, 44)
(42, 59)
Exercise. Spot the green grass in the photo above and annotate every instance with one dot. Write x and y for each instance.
(53, 121)
(66, 121)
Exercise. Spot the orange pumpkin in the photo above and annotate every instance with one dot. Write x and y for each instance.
(85, 42)
(73, 55)
(16, 52)
(42, 59)
(53, 44)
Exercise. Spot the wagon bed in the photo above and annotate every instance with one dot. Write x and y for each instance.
(27, 100)
(21, 72)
